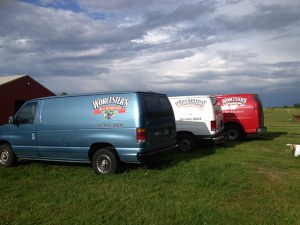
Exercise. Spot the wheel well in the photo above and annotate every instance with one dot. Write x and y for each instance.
(4, 142)
(234, 124)
(179, 133)
(96, 146)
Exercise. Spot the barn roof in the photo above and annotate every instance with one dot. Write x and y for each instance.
(7, 79)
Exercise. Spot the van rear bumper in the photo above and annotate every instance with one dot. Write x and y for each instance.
(147, 157)
(217, 138)
(261, 129)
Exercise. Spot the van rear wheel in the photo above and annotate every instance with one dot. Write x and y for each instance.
(235, 132)
(186, 142)
(105, 161)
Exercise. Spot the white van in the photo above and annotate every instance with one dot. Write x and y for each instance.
(197, 118)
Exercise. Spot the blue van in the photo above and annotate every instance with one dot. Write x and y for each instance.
(104, 129)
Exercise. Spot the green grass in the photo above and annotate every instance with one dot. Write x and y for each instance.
(252, 182)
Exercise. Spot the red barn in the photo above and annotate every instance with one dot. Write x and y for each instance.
(15, 90)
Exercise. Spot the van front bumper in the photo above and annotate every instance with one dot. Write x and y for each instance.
(152, 156)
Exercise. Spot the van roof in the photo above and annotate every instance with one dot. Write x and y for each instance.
(236, 94)
(99, 93)
(193, 96)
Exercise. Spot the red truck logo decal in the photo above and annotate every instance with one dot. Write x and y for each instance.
(233, 102)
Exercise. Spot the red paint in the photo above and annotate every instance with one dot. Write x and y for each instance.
(246, 110)
(15, 92)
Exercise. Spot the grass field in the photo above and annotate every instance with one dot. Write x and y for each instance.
(252, 182)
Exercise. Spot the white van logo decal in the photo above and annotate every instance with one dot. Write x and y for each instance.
(233, 102)
(190, 102)
(109, 106)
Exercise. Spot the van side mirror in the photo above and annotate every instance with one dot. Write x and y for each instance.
(11, 120)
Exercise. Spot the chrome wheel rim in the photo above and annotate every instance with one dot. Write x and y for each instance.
(4, 156)
(232, 135)
(103, 164)
(185, 145)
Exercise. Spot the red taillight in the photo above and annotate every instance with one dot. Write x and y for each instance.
(140, 135)
(213, 125)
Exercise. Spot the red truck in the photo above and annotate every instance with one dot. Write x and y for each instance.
(243, 114)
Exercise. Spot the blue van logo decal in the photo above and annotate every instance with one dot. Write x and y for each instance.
(109, 106)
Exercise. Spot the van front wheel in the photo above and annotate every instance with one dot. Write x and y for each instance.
(186, 142)
(7, 156)
(105, 161)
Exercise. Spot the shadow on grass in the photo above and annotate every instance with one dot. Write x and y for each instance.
(203, 150)
(206, 149)
(51, 164)
(176, 157)
(267, 136)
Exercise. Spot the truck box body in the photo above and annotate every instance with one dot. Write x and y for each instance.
(243, 114)
(135, 126)
(198, 117)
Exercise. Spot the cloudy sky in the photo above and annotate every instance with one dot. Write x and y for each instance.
(170, 46)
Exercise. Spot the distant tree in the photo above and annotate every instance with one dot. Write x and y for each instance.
(64, 93)
(297, 105)
(285, 106)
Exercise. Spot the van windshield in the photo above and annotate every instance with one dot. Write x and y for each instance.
(27, 113)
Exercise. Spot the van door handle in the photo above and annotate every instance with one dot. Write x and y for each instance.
(33, 136)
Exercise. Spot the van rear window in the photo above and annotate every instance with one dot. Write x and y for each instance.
(167, 110)
(217, 105)
(257, 99)
(157, 107)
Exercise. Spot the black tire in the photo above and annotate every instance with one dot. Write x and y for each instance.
(105, 161)
(234, 132)
(186, 142)
(7, 156)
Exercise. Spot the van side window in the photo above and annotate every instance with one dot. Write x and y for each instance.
(152, 106)
(27, 113)
(166, 107)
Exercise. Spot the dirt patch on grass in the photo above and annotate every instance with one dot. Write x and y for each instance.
(271, 175)
(296, 118)
(274, 175)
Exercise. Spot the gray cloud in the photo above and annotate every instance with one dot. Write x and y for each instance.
(184, 13)
(265, 18)
(175, 47)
